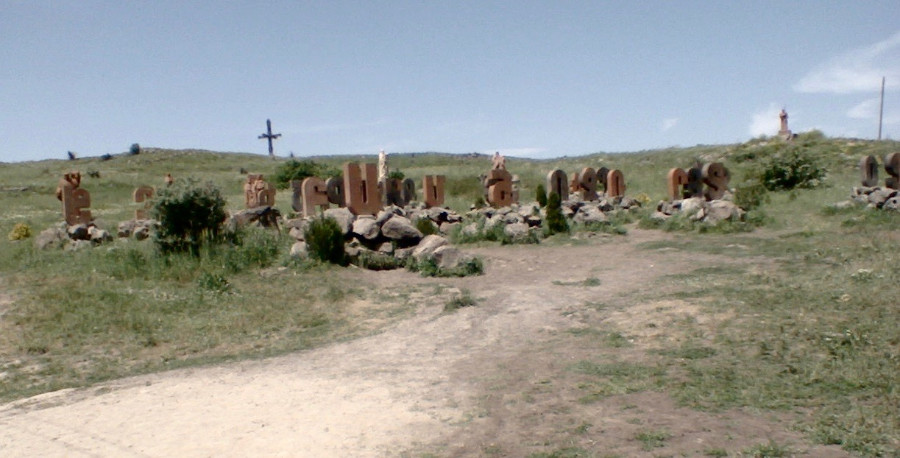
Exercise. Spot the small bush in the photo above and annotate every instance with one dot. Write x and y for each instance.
(463, 299)
(214, 282)
(750, 195)
(252, 247)
(189, 214)
(396, 174)
(300, 170)
(426, 226)
(791, 169)
(325, 241)
(540, 194)
(20, 231)
(377, 261)
(135, 148)
(555, 222)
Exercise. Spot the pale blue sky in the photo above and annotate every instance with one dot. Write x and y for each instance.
(529, 78)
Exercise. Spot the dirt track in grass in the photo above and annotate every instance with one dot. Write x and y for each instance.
(495, 379)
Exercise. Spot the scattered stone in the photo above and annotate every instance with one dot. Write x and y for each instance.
(343, 216)
(366, 227)
(400, 228)
(428, 245)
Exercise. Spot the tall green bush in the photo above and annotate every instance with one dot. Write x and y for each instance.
(541, 195)
(325, 241)
(190, 214)
(555, 222)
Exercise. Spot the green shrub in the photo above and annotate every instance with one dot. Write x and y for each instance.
(135, 148)
(252, 247)
(396, 174)
(791, 169)
(750, 195)
(190, 215)
(426, 226)
(20, 231)
(541, 195)
(325, 241)
(300, 170)
(428, 267)
(377, 261)
(555, 222)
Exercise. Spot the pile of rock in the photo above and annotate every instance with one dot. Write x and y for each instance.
(524, 220)
(72, 237)
(876, 197)
(699, 209)
(391, 233)
(139, 229)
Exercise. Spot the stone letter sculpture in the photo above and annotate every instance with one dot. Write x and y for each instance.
(392, 192)
(499, 186)
(335, 188)
(315, 194)
(716, 178)
(892, 167)
(587, 184)
(361, 188)
(694, 187)
(408, 190)
(257, 192)
(558, 182)
(602, 174)
(74, 199)
(433, 190)
(676, 182)
(615, 183)
(297, 195)
(868, 167)
(142, 194)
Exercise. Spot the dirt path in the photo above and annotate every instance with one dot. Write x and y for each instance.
(483, 380)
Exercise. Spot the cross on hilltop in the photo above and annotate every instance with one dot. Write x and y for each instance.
(268, 135)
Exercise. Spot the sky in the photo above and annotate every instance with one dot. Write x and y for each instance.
(536, 79)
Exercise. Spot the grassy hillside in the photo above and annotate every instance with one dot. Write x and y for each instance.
(75, 318)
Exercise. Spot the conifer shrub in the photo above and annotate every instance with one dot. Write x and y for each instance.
(190, 215)
(540, 194)
(555, 222)
(325, 241)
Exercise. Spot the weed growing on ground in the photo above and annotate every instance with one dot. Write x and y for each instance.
(458, 301)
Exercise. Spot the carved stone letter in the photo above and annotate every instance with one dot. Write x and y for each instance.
(433, 188)
(868, 167)
(676, 180)
(587, 181)
(716, 178)
(892, 167)
(558, 182)
(615, 183)
(142, 194)
(499, 183)
(314, 195)
(361, 188)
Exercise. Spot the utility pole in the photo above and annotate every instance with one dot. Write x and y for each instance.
(881, 109)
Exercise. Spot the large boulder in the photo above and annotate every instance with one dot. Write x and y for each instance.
(400, 228)
(722, 210)
(448, 257)
(428, 245)
(366, 227)
(343, 216)
(590, 214)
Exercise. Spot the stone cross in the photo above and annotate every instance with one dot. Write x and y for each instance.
(382, 166)
(784, 133)
(268, 135)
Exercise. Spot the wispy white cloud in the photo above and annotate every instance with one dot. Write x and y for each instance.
(765, 122)
(867, 109)
(669, 123)
(859, 70)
